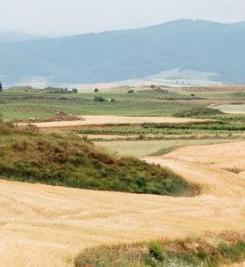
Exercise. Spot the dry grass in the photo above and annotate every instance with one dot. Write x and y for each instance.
(229, 156)
(207, 250)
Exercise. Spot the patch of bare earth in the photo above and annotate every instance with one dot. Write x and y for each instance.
(48, 226)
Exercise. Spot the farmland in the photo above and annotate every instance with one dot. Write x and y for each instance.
(142, 148)
(18, 104)
(89, 177)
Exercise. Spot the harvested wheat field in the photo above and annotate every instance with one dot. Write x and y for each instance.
(112, 120)
(228, 156)
(48, 226)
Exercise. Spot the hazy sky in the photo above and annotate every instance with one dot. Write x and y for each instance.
(61, 17)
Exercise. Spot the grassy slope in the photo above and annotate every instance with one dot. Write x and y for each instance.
(208, 251)
(27, 155)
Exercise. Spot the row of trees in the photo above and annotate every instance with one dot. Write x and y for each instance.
(1, 87)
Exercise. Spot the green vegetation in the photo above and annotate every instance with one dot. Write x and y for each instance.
(23, 103)
(99, 99)
(223, 126)
(198, 112)
(192, 252)
(27, 155)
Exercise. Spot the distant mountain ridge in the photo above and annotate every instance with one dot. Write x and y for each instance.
(14, 36)
(201, 46)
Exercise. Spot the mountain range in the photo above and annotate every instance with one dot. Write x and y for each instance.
(200, 46)
(15, 36)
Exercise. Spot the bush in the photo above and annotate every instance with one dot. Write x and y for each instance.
(153, 86)
(99, 99)
(156, 251)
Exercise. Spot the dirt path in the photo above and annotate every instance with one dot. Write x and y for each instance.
(47, 226)
(110, 120)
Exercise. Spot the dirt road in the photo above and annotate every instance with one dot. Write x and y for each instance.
(110, 120)
(47, 226)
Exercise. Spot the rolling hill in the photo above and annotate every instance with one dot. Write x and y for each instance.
(200, 46)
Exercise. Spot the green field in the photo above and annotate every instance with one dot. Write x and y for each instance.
(221, 126)
(142, 148)
(25, 103)
(20, 104)
(236, 109)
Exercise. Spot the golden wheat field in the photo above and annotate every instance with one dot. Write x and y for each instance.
(112, 120)
(48, 226)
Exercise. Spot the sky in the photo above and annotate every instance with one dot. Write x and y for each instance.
(68, 17)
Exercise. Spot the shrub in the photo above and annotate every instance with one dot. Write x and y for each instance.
(156, 251)
(99, 99)
(153, 86)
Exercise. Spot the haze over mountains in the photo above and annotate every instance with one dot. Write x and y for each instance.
(214, 50)
(14, 36)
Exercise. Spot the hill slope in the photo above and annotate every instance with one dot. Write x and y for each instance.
(27, 155)
(130, 54)
(13, 36)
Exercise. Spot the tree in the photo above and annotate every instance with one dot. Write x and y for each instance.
(74, 90)
(96, 90)
(1, 87)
